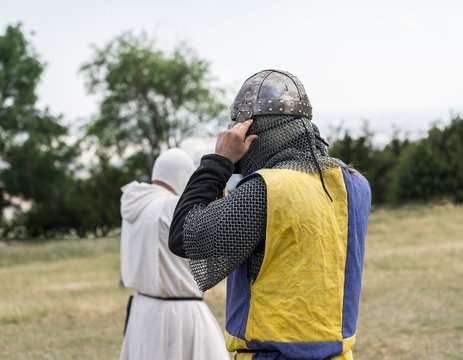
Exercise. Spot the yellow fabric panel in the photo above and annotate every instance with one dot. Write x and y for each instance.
(244, 356)
(298, 294)
(347, 345)
(233, 342)
(347, 355)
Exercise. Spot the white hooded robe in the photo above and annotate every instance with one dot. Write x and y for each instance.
(161, 329)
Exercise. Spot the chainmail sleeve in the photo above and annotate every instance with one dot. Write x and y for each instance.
(204, 186)
(221, 236)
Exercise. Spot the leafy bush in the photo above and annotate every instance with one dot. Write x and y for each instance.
(432, 167)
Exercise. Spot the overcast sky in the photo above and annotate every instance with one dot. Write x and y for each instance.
(392, 62)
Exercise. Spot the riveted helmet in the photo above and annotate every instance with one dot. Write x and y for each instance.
(271, 92)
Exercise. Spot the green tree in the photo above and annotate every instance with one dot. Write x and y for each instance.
(432, 167)
(148, 97)
(103, 191)
(34, 156)
(376, 164)
(19, 74)
(383, 166)
(357, 151)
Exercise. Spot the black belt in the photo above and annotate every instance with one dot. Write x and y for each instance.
(172, 298)
(239, 351)
(129, 304)
(127, 314)
(254, 351)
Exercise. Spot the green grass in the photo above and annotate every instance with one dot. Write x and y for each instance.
(62, 299)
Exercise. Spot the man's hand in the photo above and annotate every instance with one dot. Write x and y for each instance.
(234, 143)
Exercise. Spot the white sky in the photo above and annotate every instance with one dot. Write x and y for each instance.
(392, 62)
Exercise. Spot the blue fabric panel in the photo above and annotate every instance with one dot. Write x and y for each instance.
(358, 202)
(296, 350)
(238, 294)
(237, 303)
(274, 355)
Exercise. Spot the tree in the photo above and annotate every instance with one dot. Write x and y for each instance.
(102, 190)
(34, 155)
(19, 74)
(385, 161)
(432, 167)
(357, 151)
(376, 164)
(148, 97)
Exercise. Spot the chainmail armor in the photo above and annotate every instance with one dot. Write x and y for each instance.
(219, 237)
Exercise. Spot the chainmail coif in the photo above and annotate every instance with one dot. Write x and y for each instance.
(219, 237)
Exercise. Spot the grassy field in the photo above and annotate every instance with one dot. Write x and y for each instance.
(62, 299)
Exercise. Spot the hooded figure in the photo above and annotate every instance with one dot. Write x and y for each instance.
(167, 317)
(290, 239)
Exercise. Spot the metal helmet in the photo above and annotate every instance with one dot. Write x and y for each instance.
(271, 92)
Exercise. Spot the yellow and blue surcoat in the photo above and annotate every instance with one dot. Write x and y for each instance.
(304, 302)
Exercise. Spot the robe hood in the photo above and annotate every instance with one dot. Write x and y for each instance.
(135, 197)
(173, 167)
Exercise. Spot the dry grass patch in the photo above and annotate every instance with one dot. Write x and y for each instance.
(62, 299)
(71, 308)
(412, 297)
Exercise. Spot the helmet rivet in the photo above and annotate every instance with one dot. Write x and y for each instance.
(259, 102)
(270, 109)
(300, 111)
(292, 110)
(269, 101)
(281, 109)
